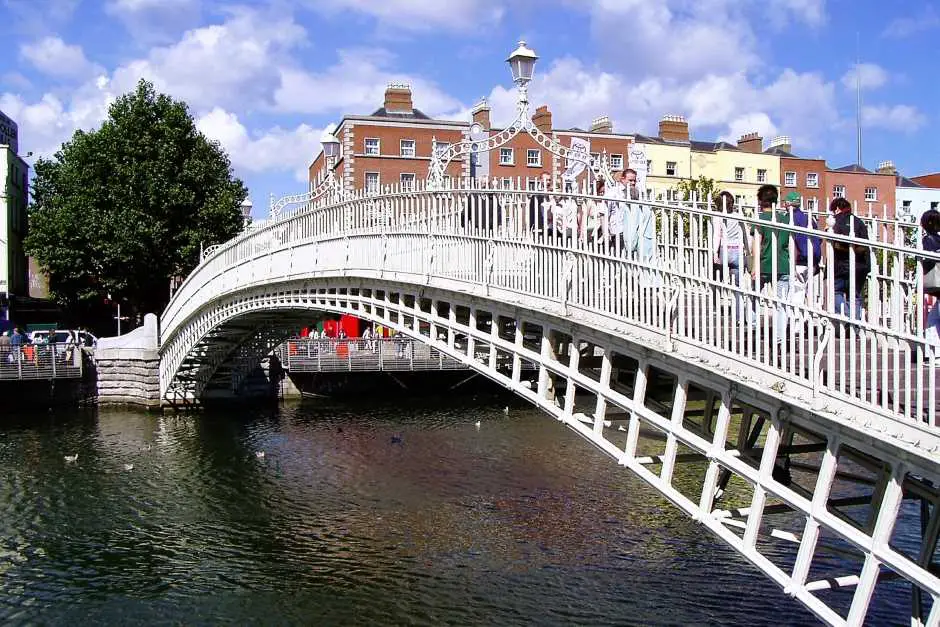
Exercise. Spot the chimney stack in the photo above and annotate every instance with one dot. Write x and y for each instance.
(751, 142)
(782, 142)
(398, 98)
(887, 167)
(602, 125)
(542, 118)
(674, 128)
(481, 114)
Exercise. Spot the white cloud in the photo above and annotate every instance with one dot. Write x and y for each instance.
(901, 118)
(275, 149)
(52, 56)
(870, 76)
(801, 105)
(45, 124)
(356, 84)
(421, 15)
(155, 20)
(907, 26)
(810, 12)
(229, 64)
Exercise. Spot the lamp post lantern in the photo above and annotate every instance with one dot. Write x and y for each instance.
(330, 148)
(522, 65)
(246, 211)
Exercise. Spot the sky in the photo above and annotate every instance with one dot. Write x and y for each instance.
(265, 77)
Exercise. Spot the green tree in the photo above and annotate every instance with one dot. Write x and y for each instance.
(699, 188)
(123, 209)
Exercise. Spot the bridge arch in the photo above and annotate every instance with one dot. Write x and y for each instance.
(426, 264)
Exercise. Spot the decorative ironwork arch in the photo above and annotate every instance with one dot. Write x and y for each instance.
(440, 159)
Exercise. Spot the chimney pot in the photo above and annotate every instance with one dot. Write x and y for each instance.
(751, 142)
(398, 98)
(481, 114)
(542, 118)
(887, 167)
(602, 124)
(674, 128)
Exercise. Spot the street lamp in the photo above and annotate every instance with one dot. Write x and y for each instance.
(522, 65)
(246, 210)
(330, 148)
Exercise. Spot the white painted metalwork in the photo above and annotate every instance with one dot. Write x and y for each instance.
(41, 361)
(364, 355)
(522, 63)
(476, 275)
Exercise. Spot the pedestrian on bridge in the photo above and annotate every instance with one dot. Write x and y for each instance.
(772, 248)
(930, 222)
(852, 262)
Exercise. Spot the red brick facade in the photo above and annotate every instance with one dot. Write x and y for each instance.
(806, 176)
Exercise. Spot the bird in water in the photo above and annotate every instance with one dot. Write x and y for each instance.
(259, 454)
(71, 458)
(396, 439)
(128, 467)
(478, 425)
(506, 410)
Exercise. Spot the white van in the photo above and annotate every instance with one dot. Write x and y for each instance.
(63, 337)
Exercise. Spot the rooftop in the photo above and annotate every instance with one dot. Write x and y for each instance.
(903, 181)
(852, 168)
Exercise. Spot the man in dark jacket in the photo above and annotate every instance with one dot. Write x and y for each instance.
(851, 261)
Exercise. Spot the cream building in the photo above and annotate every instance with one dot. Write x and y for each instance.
(738, 168)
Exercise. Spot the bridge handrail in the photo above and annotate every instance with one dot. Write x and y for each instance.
(496, 220)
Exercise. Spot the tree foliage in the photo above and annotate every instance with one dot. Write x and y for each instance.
(123, 209)
(700, 189)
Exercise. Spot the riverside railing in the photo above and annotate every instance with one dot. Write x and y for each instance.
(364, 355)
(40, 361)
(659, 274)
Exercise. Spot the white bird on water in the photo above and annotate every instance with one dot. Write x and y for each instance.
(128, 466)
(259, 454)
(71, 458)
(478, 425)
(506, 410)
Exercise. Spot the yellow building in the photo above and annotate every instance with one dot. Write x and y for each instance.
(672, 157)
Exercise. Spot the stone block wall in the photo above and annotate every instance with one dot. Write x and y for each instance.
(128, 367)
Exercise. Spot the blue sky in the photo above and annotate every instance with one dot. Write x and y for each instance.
(264, 77)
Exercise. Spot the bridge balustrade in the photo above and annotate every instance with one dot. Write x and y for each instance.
(485, 236)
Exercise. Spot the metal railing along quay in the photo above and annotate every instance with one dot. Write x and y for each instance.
(363, 355)
(40, 361)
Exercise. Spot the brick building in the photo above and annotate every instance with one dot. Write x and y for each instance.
(928, 180)
(391, 146)
(800, 174)
(871, 193)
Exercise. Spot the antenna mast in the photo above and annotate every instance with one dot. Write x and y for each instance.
(858, 105)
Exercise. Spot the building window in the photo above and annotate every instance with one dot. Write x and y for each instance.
(761, 176)
(441, 147)
(407, 148)
(670, 168)
(789, 179)
(739, 174)
(838, 191)
(507, 183)
(871, 194)
(812, 204)
(505, 156)
(812, 179)
(372, 182)
(739, 200)
(533, 158)
(532, 184)
(616, 162)
(372, 146)
(407, 182)
(447, 181)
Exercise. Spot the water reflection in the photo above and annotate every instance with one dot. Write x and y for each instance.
(356, 514)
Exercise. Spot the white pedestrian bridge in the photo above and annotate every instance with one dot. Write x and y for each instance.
(804, 438)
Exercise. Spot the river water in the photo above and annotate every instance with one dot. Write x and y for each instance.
(358, 514)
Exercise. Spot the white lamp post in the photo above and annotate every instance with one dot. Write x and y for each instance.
(246, 211)
(330, 149)
(522, 64)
